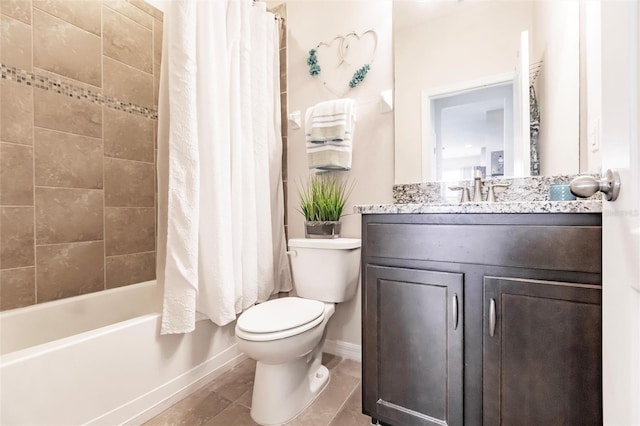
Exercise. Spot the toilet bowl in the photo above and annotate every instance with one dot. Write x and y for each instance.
(285, 336)
(289, 373)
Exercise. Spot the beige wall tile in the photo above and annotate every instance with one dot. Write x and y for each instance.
(147, 8)
(15, 40)
(68, 215)
(16, 112)
(130, 269)
(283, 31)
(127, 83)
(58, 79)
(81, 13)
(156, 90)
(128, 183)
(66, 270)
(16, 237)
(130, 11)
(283, 102)
(66, 49)
(285, 158)
(57, 112)
(157, 47)
(128, 136)
(127, 41)
(16, 175)
(17, 9)
(67, 160)
(283, 69)
(17, 288)
(129, 230)
(286, 202)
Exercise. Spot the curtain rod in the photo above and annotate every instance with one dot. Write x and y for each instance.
(276, 16)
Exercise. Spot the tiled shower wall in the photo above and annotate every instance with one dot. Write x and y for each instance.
(78, 117)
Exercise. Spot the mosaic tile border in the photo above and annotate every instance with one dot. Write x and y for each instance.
(29, 78)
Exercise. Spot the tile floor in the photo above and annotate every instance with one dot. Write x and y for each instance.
(226, 401)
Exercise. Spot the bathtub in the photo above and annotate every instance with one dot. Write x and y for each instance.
(100, 359)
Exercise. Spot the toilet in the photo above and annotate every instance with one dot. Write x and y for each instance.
(285, 336)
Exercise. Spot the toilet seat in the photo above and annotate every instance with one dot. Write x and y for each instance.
(279, 318)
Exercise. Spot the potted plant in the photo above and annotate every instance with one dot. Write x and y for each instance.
(321, 202)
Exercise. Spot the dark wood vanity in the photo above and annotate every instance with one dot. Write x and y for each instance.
(482, 319)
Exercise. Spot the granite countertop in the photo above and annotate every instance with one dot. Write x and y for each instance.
(578, 206)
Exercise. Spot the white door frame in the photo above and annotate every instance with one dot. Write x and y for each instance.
(621, 219)
(427, 95)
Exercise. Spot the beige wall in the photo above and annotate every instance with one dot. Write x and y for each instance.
(308, 23)
(77, 158)
(592, 85)
(555, 41)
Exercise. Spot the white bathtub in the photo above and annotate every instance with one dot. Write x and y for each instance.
(100, 359)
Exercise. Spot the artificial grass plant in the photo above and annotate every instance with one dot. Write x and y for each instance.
(323, 197)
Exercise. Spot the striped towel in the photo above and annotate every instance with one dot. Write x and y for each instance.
(329, 134)
(330, 121)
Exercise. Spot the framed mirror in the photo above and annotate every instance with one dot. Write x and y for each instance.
(469, 74)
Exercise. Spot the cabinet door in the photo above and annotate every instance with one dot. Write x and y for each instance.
(542, 353)
(413, 331)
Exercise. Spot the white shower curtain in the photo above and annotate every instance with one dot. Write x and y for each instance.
(221, 243)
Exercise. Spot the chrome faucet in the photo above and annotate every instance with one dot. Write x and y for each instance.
(464, 196)
(491, 195)
(477, 186)
(477, 189)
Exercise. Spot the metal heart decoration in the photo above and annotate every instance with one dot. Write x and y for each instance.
(346, 59)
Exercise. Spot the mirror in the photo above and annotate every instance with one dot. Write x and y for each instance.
(462, 96)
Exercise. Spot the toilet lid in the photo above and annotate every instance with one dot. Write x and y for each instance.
(280, 314)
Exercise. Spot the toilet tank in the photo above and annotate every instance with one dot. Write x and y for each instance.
(325, 269)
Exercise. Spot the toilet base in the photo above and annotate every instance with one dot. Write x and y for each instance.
(282, 391)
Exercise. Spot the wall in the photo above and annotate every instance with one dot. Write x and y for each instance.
(422, 56)
(77, 158)
(591, 86)
(555, 41)
(308, 23)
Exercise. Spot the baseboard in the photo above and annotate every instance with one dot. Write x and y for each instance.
(343, 349)
(149, 405)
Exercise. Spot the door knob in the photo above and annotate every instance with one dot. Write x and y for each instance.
(586, 186)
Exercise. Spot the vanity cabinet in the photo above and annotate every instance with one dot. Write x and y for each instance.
(421, 382)
(472, 319)
(541, 345)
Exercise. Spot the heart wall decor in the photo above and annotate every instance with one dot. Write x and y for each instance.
(353, 52)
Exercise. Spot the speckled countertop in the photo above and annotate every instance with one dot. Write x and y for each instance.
(578, 206)
(523, 195)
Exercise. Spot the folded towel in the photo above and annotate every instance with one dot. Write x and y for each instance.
(329, 134)
(330, 121)
(329, 158)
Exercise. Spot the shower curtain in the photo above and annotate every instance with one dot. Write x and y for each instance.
(221, 243)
